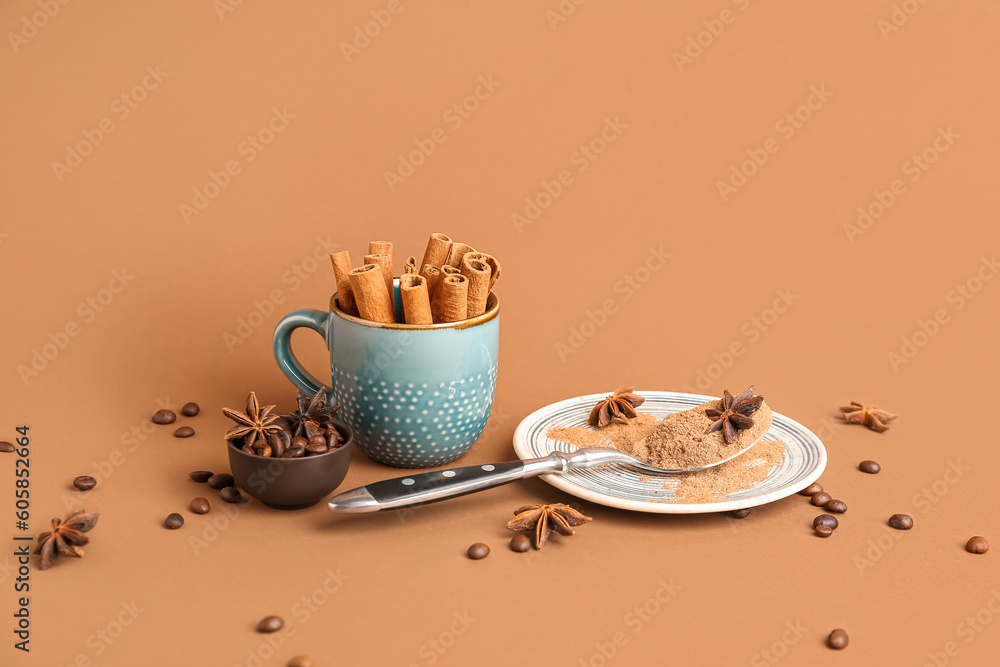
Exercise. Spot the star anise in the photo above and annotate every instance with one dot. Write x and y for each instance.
(867, 415)
(256, 422)
(735, 415)
(312, 413)
(66, 537)
(543, 519)
(622, 403)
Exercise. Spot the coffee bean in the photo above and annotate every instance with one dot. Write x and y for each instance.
(317, 440)
(200, 475)
(294, 453)
(200, 506)
(520, 543)
(870, 467)
(231, 494)
(836, 506)
(313, 429)
(838, 640)
(164, 417)
(314, 450)
(270, 624)
(279, 442)
(173, 521)
(299, 441)
(190, 409)
(977, 545)
(820, 499)
(184, 432)
(282, 422)
(826, 520)
(739, 514)
(84, 482)
(901, 521)
(823, 531)
(6, 446)
(333, 439)
(221, 481)
(300, 661)
(478, 551)
(811, 490)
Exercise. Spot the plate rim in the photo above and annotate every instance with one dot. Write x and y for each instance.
(565, 484)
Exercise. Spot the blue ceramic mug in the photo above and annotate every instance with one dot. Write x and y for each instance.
(416, 396)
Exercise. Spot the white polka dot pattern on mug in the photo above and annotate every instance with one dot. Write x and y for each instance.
(412, 425)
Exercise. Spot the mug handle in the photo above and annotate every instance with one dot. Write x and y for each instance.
(307, 318)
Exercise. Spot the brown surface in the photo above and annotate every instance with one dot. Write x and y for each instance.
(178, 329)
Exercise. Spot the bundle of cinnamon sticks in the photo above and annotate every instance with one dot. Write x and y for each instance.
(450, 284)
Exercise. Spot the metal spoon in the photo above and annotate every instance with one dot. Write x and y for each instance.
(429, 487)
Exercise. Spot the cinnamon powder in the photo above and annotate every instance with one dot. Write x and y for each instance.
(636, 438)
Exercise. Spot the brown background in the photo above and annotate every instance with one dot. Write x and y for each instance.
(321, 185)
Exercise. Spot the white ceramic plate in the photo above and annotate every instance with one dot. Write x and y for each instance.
(619, 485)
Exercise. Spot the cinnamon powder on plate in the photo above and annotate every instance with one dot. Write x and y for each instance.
(633, 436)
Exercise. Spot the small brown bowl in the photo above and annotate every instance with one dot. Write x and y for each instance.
(291, 484)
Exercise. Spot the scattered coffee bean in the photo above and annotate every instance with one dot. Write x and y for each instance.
(300, 661)
(190, 409)
(811, 490)
(977, 545)
(231, 494)
(901, 521)
(270, 624)
(317, 440)
(184, 432)
(739, 514)
(870, 467)
(314, 450)
(173, 521)
(164, 417)
(200, 475)
(294, 453)
(84, 482)
(333, 439)
(520, 543)
(823, 531)
(826, 520)
(299, 441)
(200, 506)
(221, 481)
(478, 551)
(836, 506)
(820, 499)
(6, 446)
(838, 640)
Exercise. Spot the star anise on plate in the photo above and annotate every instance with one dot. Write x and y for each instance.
(66, 537)
(543, 519)
(867, 415)
(622, 403)
(256, 422)
(312, 414)
(735, 414)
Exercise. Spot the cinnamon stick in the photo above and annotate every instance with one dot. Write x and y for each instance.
(493, 264)
(370, 293)
(454, 298)
(380, 248)
(416, 303)
(385, 263)
(345, 293)
(478, 274)
(436, 253)
(411, 265)
(458, 251)
(451, 270)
